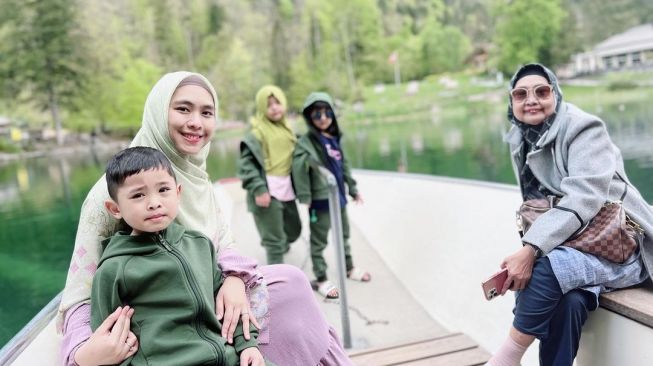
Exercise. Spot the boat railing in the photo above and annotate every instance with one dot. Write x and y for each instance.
(338, 240)
(31, 330)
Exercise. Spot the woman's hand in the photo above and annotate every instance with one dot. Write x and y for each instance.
(111, 343)
(263, 200)
(251, 356)
(520, 268)
(358, 199)
(231, 303)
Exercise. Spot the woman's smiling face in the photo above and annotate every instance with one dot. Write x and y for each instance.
(191, 119)
(533, 110)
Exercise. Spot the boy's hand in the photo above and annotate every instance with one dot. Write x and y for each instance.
(111, 343)
(263, 200)
(358, 198)
(251, 356)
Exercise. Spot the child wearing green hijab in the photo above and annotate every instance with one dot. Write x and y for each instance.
(264, 168)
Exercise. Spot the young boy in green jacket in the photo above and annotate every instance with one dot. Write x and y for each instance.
(321, 144)
(166, 273)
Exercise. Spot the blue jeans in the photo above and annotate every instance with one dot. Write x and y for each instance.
(541, 310)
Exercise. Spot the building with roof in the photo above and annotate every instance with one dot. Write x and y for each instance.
(632, 49)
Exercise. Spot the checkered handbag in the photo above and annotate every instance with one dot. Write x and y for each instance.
(611, 234)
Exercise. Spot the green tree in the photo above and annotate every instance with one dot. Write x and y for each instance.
(424, 44)
(526, 31)
(44, 55)
(349, 43)
(234, 77)
(120, 99)
(444, 48)
(471, 17)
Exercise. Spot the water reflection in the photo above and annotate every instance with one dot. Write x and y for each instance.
(40, 200)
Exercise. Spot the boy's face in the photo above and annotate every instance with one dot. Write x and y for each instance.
(147, 201)
(275, 109)
(322, 118)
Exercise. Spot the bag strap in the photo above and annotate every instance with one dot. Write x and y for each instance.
(582, 223)
(625, 186)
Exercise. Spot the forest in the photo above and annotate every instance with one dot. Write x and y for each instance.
(88, 65)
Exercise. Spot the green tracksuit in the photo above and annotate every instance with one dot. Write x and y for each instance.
(311, 187)
(279, 224)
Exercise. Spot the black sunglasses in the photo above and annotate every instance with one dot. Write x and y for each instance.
(317, 115)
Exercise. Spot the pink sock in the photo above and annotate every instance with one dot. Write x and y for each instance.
(509, 354)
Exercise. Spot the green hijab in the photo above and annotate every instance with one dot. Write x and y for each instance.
(277, 138)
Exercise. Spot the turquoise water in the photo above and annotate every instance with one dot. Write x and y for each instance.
(40, 198)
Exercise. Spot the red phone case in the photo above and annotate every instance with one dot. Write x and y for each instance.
(493, 285)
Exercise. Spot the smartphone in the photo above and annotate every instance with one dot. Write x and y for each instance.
(493, 285)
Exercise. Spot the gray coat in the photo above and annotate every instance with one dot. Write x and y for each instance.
(577, 161)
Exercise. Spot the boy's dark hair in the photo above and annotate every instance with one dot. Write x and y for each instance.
(133, 161)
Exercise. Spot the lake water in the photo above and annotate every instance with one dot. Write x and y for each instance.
(40, 198)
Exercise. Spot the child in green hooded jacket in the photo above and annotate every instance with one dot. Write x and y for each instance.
(321, 145)
(167, 274)
(264, 168)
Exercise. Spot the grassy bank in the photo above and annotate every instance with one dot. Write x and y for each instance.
(452, 94)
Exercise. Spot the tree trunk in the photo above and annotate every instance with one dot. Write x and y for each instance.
(348, 59)
(56, 118)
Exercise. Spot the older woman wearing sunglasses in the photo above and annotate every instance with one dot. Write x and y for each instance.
(559, 150)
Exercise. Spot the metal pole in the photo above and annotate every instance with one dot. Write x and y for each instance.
(336, 228)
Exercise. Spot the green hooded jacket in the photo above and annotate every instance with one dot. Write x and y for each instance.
(251, 169)
(170, 279)
(256, 151)
(308, 182)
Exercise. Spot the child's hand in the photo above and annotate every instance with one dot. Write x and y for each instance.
(263, 200)
(251, 356)
(111, 343)
(358, 198)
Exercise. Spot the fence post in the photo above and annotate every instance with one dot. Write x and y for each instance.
(338, 240)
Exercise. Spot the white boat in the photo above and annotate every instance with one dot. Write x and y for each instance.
(429, 242)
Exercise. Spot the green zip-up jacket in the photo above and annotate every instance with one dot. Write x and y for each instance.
(308, 183)
(170, 279)
(251, 169)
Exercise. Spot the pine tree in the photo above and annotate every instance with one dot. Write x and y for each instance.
(43, 58)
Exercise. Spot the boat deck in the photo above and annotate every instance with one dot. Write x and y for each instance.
(388, 326)
(425, 241)
(453, 349)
